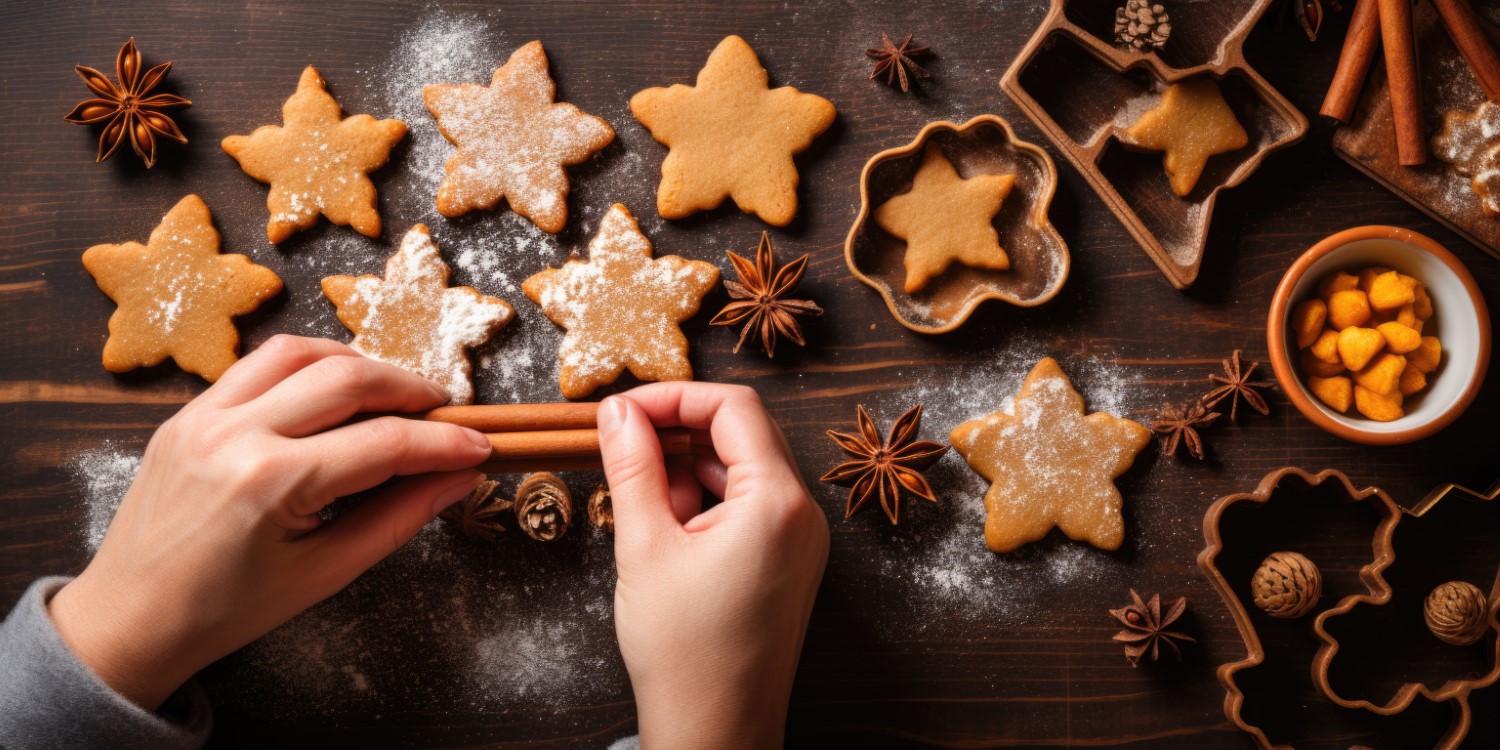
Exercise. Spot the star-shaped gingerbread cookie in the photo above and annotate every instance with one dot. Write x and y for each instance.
(317, 162)
(1050, 465)
(513, 141)
(945, 218)
(1192, 123)
(414, 320)
(1470, 143)
(177, 295)
(621, 308)
(731, 136)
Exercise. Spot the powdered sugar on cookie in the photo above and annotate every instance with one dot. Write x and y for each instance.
(413, 320)
(513, 141)
(621, 308)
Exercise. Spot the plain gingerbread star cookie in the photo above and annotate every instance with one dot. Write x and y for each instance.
(513, 141)
(731, 136)
(945, 218)
(621, 308)
(317, 162)
(177, 295)
(1050, 465)
(1192, 123)
(414, 320)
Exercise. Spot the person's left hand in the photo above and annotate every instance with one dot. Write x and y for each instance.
(219, 538)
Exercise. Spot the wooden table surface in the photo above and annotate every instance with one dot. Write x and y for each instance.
(920, 637)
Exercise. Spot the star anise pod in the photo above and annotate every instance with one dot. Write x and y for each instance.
(896, 61)
(478, 514)
(1180, 426)
(1309, 15)
(128, 113)
(760, 298)
(1236, 384)
(1145, 627)
(883, 468)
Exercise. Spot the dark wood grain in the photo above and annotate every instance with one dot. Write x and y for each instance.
(877, 670)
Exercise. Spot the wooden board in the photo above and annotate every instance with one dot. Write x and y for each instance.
(920, 638)
(1369, 141)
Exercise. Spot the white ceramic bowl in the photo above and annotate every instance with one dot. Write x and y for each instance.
(1460, 321)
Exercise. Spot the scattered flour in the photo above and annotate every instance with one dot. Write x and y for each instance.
(104, 474)
(936, 564)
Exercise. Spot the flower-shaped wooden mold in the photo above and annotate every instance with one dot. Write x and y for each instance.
(1272, 694)
(1081, 90)
(1449, 536)
(1038, 256)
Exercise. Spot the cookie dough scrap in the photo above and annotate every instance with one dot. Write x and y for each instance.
(177, 295)
(945, 218)
(731, 136)
(621, 308)
(317, 162)
(1470, 143)
(513, 141)
(1191, 124)
(414, 320)
(1050, 465)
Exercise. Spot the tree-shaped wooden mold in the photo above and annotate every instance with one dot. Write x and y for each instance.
(1082, 91)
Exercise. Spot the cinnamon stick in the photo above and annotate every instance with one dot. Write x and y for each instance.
(1405, 80)
(519, 417)
(1354, 62)
(563, 450)
(1468, 35)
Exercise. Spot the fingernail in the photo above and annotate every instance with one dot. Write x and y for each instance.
(477, 438)
(611, 414)
(456, 491)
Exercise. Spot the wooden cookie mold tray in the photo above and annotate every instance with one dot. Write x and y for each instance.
(1361, 669)
(1080, 89)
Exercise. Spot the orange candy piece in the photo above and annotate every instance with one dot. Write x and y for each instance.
(1357, 346)
(1307, 321)
(1337, 392)
(1399, 339)
(1347, 309)
(1376, 406)
(1382, 375)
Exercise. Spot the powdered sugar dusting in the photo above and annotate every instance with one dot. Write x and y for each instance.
(104, 474)
(411, 319)
(936, 564)
(621, 308)
(513, 140)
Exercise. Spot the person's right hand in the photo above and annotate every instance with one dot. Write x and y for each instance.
(710, 607)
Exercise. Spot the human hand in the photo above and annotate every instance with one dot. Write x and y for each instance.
(219, 540)
(710, 607)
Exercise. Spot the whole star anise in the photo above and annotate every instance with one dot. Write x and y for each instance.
(1236, 384)
(1180, 426)
(1145, 627)
(883, 468)
(478, 514)
(760, 298)
(128, 114)
(896, 61)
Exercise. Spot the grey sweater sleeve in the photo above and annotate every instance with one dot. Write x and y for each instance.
(49, 699)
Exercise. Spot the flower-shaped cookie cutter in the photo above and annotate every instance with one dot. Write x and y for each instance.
(1386, 513)
(1039, 257)
(1452, 689)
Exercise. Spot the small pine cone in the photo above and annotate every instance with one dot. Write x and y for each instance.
(1287, 585)
(602, 509)
(544, 509)
(1457, 613)
(1142, 24)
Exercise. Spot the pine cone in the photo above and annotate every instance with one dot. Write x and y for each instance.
(1287, 585)
(1142, 24)
(602, 509)
(1457, 613)
(544, 509)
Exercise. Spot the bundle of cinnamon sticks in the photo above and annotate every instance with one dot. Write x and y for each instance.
(544, 437)
(1388, 23)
